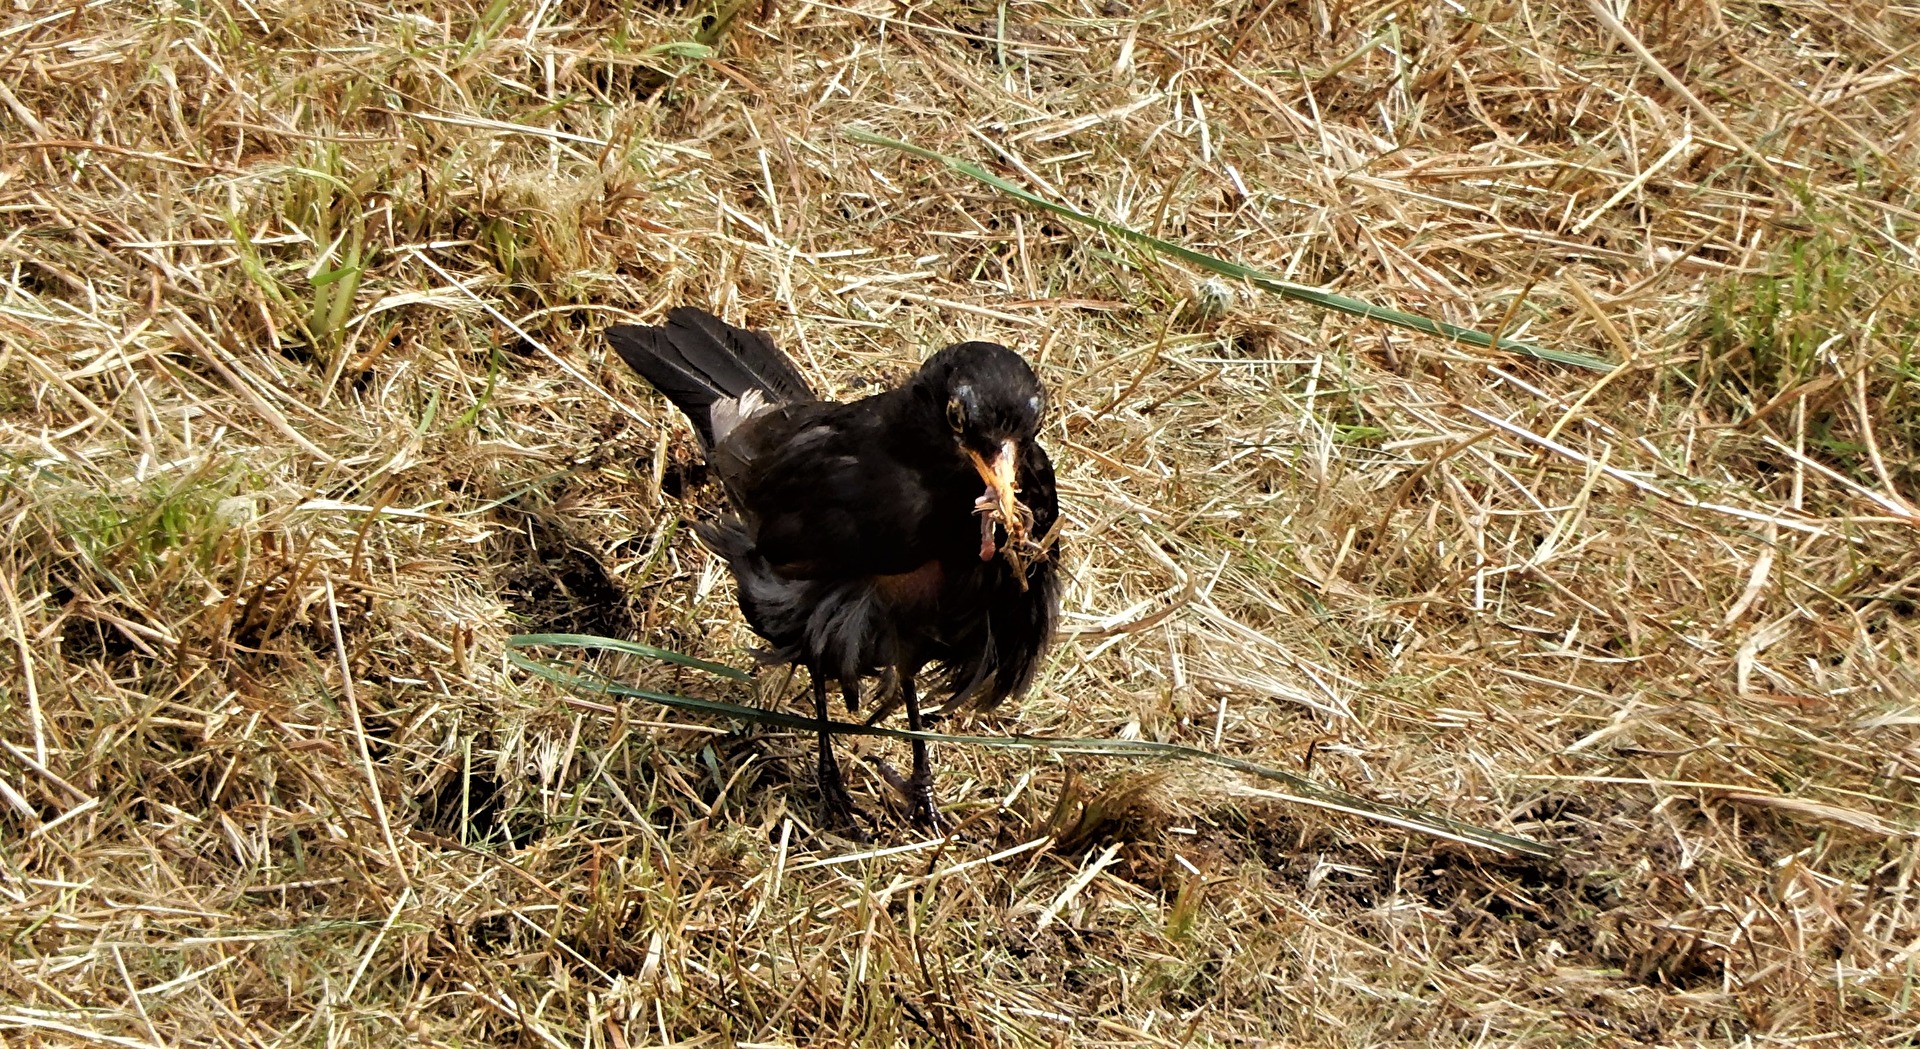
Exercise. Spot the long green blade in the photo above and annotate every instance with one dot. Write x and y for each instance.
(1259, 279)
(632, 648)
(1302, 789)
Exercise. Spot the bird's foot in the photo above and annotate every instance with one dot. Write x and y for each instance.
(841, 812)
(922, 811)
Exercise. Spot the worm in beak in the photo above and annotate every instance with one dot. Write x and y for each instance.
(1001, 498)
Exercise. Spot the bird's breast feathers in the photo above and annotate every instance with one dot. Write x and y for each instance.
(919, 588)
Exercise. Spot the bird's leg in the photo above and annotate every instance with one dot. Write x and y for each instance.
(920, 805)
(833, 790)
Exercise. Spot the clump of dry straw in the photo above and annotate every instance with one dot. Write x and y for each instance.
(302, 415)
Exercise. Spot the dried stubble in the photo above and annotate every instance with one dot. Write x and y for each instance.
(296, 315)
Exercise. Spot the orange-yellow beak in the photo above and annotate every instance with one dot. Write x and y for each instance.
(999, 475)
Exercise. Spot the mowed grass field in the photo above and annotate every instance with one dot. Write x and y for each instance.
(303, 414)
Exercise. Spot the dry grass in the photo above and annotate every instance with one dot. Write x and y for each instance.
(303, 415)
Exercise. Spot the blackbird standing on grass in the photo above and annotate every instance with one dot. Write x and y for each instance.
(874, 538)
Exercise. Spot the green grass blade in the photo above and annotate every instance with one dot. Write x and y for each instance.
(1300, 789)
(1226, 268)
(632, 648)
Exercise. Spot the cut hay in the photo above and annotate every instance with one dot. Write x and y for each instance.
(303, 414)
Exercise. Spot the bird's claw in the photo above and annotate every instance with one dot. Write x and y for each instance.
(840, 809)
(922, 811)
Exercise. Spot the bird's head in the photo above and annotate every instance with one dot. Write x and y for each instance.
(992, 403)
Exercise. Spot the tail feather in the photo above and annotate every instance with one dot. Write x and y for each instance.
(752, 353)
(650, 352)
(697, 360)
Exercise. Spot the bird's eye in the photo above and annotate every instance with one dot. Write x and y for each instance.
(956, 414)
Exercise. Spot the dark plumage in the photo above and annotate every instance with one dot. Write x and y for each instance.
(875, 538)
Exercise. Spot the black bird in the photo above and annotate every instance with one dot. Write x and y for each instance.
(877, 537)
